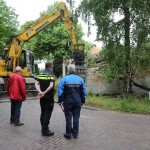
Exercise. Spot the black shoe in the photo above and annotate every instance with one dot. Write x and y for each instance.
(18, 124)
(12, 122)
(67, 136)
(47, 133)
(75, 136)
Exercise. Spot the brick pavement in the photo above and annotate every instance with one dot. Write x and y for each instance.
(99, 130)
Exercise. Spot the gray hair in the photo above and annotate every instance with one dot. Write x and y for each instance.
(71, 68)
(18, 69)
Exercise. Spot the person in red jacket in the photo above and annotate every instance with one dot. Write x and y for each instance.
(16, 90)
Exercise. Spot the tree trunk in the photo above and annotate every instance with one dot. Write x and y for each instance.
(128, 71)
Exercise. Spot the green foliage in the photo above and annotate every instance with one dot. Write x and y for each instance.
(115, 58)
(131, 104)
(57, 81)
(37, 70)
(58, 65)
(121, 26)
(8, 24)
(141, 58)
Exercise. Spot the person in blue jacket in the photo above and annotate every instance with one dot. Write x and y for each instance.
(72, 93)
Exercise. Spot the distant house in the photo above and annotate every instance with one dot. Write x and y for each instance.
(95, 50)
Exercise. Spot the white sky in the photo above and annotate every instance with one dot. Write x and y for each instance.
(30, 10)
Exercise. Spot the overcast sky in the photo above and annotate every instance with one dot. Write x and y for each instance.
(30, 10)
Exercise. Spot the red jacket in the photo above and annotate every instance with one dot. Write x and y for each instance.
(16, 87)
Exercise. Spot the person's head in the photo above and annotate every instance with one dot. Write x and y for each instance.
(71, 68)
(48, 65)
(18, 69)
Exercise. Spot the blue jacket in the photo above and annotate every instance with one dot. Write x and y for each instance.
(71, 89)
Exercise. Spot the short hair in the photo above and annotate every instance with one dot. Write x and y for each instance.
(71, 68)
(48, 65)
(18, 69)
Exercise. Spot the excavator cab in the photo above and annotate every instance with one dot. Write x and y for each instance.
(27, 60)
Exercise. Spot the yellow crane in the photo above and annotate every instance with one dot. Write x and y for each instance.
(14, 55)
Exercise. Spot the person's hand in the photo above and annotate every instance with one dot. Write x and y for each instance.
(40, 95)
(59, 103)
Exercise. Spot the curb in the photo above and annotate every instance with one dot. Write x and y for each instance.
(92, 108)
(89, 107)
(3, 100)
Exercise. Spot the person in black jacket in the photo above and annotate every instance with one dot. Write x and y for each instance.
(45, 87)
(72, 92)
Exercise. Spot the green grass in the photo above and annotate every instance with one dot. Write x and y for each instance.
(130, 105)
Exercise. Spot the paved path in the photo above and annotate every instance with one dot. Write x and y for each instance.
(99, 130)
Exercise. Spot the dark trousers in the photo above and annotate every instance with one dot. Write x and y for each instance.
(15, 110)
(72, 111)
(46, 110)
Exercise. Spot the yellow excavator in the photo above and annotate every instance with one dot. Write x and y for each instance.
(14, 55)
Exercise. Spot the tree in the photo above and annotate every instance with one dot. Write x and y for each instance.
(126, 40)
(8, 24)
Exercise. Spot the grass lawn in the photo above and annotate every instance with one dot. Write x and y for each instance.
(131, 105)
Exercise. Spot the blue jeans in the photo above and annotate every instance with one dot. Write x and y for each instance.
(72, 111)
(15, 110)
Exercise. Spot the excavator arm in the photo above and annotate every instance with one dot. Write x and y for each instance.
(48, 18)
